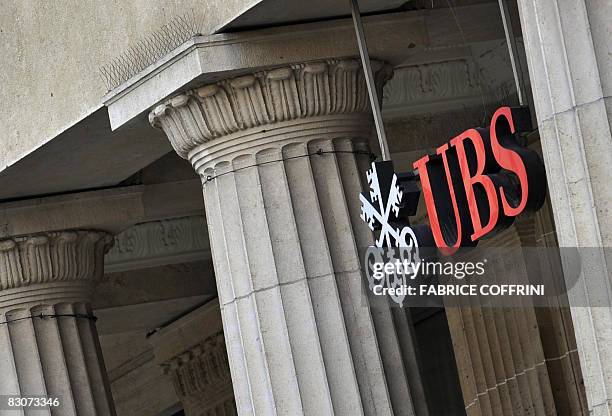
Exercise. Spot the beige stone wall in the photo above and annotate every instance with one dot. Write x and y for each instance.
(51, 52)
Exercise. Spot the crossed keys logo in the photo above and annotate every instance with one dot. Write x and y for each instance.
(380, 210)
(388, 202)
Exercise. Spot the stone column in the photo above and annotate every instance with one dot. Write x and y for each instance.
(48, 340)
(568, 51)
(554, 321)
(281, 153)
(498, 348)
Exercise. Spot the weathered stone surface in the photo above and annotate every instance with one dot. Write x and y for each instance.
(298, 92)
(41, 39)
(279, 155)
(568, 65)
(48, 340)
(156, 243)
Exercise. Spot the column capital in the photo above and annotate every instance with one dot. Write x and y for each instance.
(192, 352)
(42, 261)
(201, 375)
(265, 100)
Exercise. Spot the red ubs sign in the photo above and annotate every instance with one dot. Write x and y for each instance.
(474, 185)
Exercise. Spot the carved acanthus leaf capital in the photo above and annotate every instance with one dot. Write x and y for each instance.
(52, 257)
(264, 98)
(202, 371)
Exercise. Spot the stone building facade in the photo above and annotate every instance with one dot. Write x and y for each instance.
(132, 283)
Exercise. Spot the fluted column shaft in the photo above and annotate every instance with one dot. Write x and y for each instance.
(281, 161)
(48, 341)
(568, 52)
(499, 353)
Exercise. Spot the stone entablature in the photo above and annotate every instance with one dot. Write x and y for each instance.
(476, 76)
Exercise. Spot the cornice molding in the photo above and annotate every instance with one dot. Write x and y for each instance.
(51, 257)
(299, 91)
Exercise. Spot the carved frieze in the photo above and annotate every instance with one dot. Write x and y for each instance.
(416, 84)
(480, 76)
(156, 243)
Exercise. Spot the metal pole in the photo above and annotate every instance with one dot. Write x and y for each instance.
(512, 50)
(369, 76)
